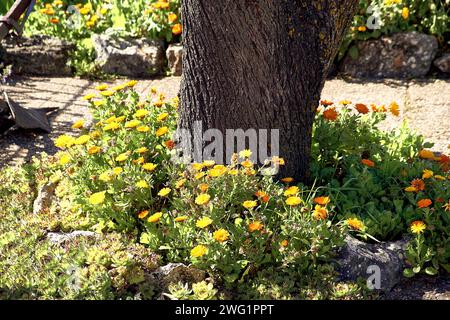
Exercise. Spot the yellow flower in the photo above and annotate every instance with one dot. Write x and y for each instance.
(439, 177)
(255, 226)
(247, 164)
(142, 184)
(320, 213)
(149, 167)
(140, 160)
(221, 235)
(101, 87)
(89, 96)
(245, 153)
(105, 177)
(111, 126)
(200, 175)
(117, 171)
(142, 150)
(143, 214)
(172, 17)
(209, 163)
(203, 222)
(78, 125)
(355, 224)
(233, 172)
(411, 189)
(119, 87)
(427, 174)
(82, 139)
(405, 13)
(181, 218)
(217, 171)
(202, 199)
(162, 131)
(249, 204)
(418, 227)
(155, 218)
(141, 113)
(291, 191)
(164, 192)
(97, 198)
(132, 124)
(64, 141)
(199, 251)
(143, 129)
(94, 150)
(293, 201)
(163, 116)
(131, 83)
(107, 93)
(197, 166)
(180, 183)
(122, 157)
(64, 159)
(99, 103)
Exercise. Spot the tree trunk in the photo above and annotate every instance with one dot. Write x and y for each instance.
(260, 64)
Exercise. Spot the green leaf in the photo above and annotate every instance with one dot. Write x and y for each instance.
(353, 52)
(431, 271)
(408, 273)
(417, 269)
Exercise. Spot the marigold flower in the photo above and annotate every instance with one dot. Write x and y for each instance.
(117, 171)
(141, 113)
(330, 114)
(163, 116)
(203, 222)
(101, 87)
(284, 243)
(164, 192)
(362, 108)
(418, 184)
(427, 174)
(132, 124)
(405, 13)
(64, 141)
(177, 29)
(181, 218)
(155, 218)
(97, 198)
(326, 103)
(320, 213)
(424, 203)
(162, 131)
(107, 93)
(170, 144)
(142, 150)
(199, 251)
(217, 171)
(82, 139)
(394, 108)
(142, 184)
(287, 180)
(180, 183)
(64, 159)
(368, 163)
(447, 206)
(322, 200)
(89, 96)
(249, 204)
(94, 150)
(122, 157)
(426, 154)
(411, 189)
(143, 214)
(355, 224)
(245, 153)
(78, 125)
(293, 201)
(291, 191)
(143, 129)
(255, 226)
(221, 235)
(149, 166)
(418, 227)
(172, 17)
(202, 199)
(203, 187)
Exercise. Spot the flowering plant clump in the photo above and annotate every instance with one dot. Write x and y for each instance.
(386, 183)
(385, 17)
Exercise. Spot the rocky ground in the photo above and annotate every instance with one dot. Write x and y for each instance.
(425, 105)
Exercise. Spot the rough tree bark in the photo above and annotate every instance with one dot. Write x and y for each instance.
(261, 64)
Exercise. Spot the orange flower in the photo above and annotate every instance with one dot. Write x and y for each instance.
(424, 203)
(255, 226)
(143, 214)
(320, 213)
(394, 109)
(426, 154)
(322, 200)
(368, 163)
(172, 17)
(330, 114)
(170, 144)
(326, 103)
(362, 108)
(418, 184)
(177, 29)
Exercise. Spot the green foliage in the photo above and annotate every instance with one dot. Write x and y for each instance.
(5, 5)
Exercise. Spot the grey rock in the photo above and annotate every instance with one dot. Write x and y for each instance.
(44, 199)
(403, 55)
(174, 56)
(356, 259)
(62, 238)
(38, 55)
(443, 63)
(129, 57)
(176, 272)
